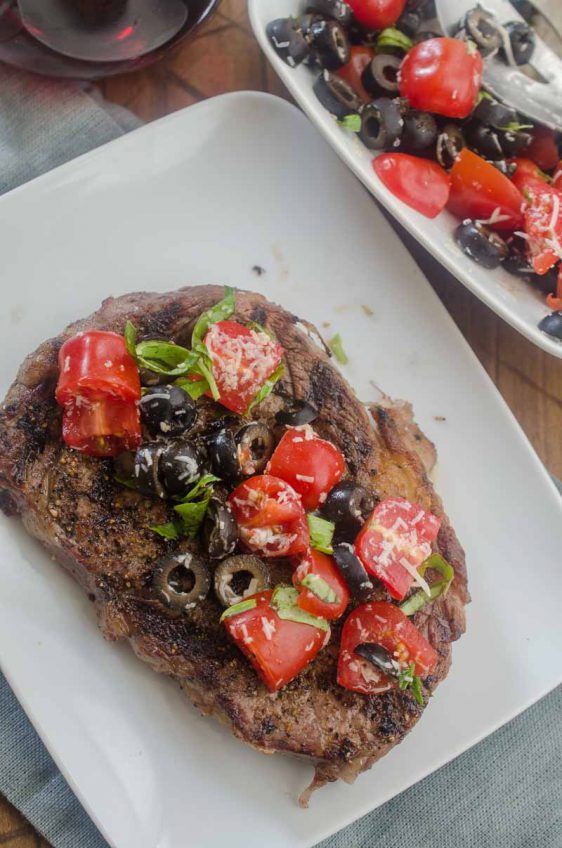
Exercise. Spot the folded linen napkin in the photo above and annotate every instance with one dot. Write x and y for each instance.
(505, 792)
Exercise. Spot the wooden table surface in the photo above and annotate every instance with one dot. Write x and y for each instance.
(224, 57)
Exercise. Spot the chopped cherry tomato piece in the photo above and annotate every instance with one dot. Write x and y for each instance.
(420, 183)
(361, 56)
(319, 565)
(382, 624)
(377, 14)
(543, 223)
(543, 149)
(97, 363)
(310, 464)
(243, 359)
(525, 168)
(270, 516)
(479, 191)
(101, 427)
(442, 75)
(557, 176)
(277, 647)
(394, 542)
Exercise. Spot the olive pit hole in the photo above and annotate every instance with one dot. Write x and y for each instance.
(240, 582)
(181, 580)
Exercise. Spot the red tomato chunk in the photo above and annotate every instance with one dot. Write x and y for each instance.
(377, 14)
(270, 516)
(243, 360)
(383, 624)
(442, 75)
(311, 465)
(422, 184)
(394, 542)
(277, 648)
(480, 191)
(319, 565)
(95, 364)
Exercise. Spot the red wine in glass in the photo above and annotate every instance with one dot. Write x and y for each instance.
(88, 39)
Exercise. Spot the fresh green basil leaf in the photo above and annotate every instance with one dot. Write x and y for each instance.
(267, 387)
(130, 335)
(393, 37)
(483, 95)
(336, 346)
(406, 677)
(168, 531)
(284, 602)
(165, 358)
(417, 691)
(321, 533)
(219, 312)
(320, 588)
(200, 488)
(351, 122)
(194, 388)
(205, 368)
(419, 599)
(242, 606)
(514, 127)
(192, 515)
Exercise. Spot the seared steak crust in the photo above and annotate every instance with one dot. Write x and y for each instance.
(99, 531)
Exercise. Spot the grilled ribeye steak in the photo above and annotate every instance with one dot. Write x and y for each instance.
(99, 531)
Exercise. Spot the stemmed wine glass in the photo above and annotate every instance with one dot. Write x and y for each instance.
(93, 38)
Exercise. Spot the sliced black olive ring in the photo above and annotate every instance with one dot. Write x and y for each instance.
(348, 505)
(485, 140)
(240, 576)
(167, 411)
(288, 40)
(221, 447)
(300, 412)
(336, 95)
(514, 142)
(182, 463)
(481, 244)
(494, 114)
(481, 28)
(522, 40)
(336, 9)
(378, 656)
(330, 43)
(420, 130)
(254, 446)
(220, 530)
(353, 572)
(146, 470)
(381, 124)
(409, 23)
(450, 142)
(181, 580)
(381, 75)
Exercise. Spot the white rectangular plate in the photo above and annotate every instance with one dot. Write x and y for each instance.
(515, 301)
(202, 196)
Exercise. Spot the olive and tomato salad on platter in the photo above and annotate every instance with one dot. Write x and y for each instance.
(385, 72)
(182, 424)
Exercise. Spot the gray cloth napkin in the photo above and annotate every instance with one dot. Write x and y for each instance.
(505, 792)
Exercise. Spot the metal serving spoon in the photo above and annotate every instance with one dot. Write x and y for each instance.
(540, 101)
(136, 27)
